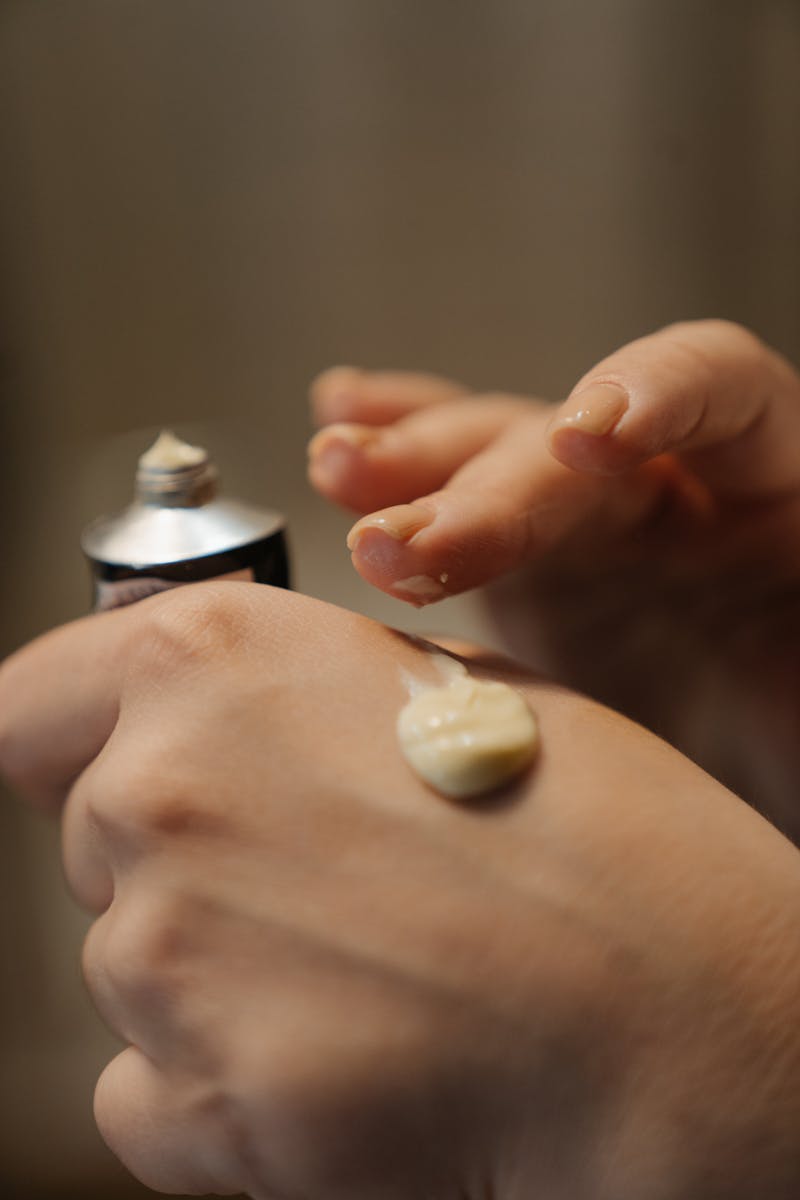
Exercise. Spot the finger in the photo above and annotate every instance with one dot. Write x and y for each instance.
(363, 467)
(115, 818)
(84, 853)
(114, 980)
(507, 505)
(59, 702)
(709, 391)
(171, 1135)
(141, 963)
(376, 397)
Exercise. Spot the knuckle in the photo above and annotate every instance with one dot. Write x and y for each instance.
(187, 627)
(170, 1139)
(701, 341)
(152, 802)
(732, 331)
(143, 949)
(687, 356)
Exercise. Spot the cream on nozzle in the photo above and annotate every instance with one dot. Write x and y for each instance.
(169, 453)
(179, 530)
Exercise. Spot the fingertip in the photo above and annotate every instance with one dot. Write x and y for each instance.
(334, 455)
(400, 523)
(334, 394)
(585, 452)
(583, 432)
(382, 556)
(343, 433)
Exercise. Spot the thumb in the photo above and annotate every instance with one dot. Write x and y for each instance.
(709, 392)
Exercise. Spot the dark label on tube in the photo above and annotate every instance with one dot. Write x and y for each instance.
(264, 561)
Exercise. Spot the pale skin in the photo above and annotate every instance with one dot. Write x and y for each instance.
(335, 985)
(641, 538)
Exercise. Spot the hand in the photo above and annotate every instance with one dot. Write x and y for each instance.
(651, 521)
(333, 983)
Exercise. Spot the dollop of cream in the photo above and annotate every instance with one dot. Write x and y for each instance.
(468, 737)
(169, 453)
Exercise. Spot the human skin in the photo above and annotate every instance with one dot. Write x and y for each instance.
(640, 538)
(336, 985)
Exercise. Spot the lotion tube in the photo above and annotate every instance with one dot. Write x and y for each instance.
(178, 530)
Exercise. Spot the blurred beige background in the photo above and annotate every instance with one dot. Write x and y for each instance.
(204, 202)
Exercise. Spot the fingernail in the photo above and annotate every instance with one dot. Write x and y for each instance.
(337, 381)
(341, 435)
(594, 410)
(399, 523)
(334, 392)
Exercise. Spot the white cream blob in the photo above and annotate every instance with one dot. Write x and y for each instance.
(468, 737)
(169, 453)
